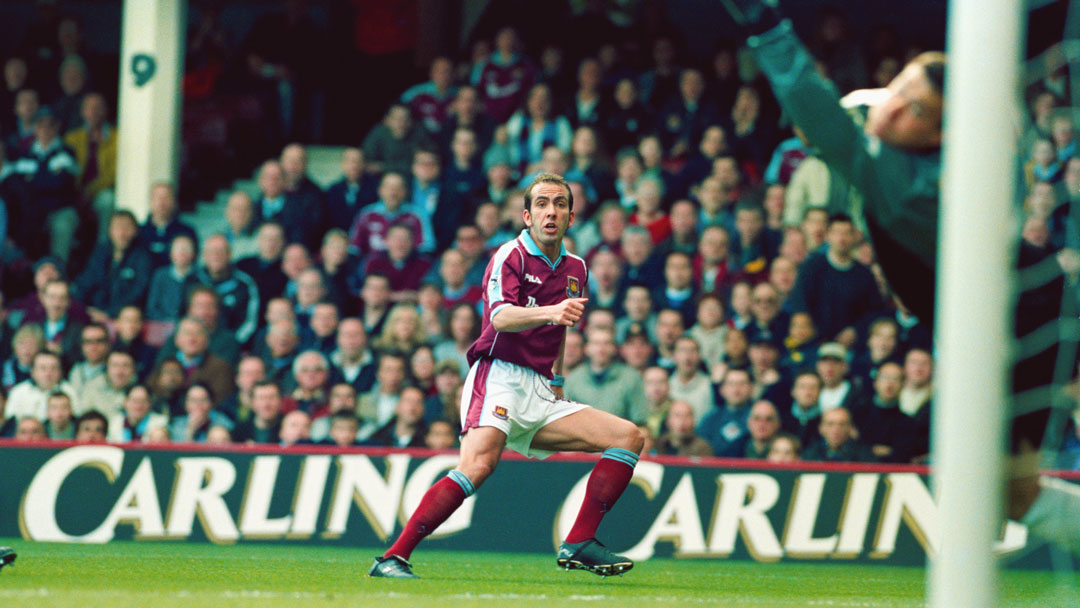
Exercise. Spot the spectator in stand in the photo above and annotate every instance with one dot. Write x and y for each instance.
(402, 332)
(627, 118)
(60, 423)
(369, 231)
(669, 327)
(429, 199)
(586, 106)
(710, 330)
(688, 382)
(752, 139)
(94, 346)
(839, 441)
(166, 384)
(878, 420)
(297, 183)
(299, 213)
(237, 292)
(202, 304)
(505, 79)
(657, 399)
(783, 274)
(466, 112)
(170, 284)
(638, 313)
(835, 289)
(400, 263)
(445, 403)
(882, 346)
(717, 208)
(793, 247)
(764, 426)
(27, 342)
(803, 418)
(353, 362)
(117, 273)
(464, 181)
(347, 196)
(390, 145)
(603, 380)
(282, 344)
(295, 429)
(199, 363)
(712, 264)
(375, 296)
(377, 406)
(533, 129)
(199, 417)
(29, 398)
(264, 424)
(31, 307)
(95, 146)
(649, 215)
(407, 428)
(699, 165)
(784, 449)
(916, 402)
(768, 320)
(311, 379)
(455, 290)
(240, 224)
(249, 371)
(680, 438)
(310, 291)
(29, 429)
(462, 330)
(340, 268)
(605, 274)
(48, 169)
(341, 401)
(137, 420)
(678, 291)
(684, 233)
(764, 358)
(265, 267)
(441, 435)
(661, 82)
(725, 426)
(683, 118)
(755, 245)
(801, 343)
(430, 101)
(837, 389)
(295, 259)
(342, 430)
(61, 328)
(321, 331)
(106, 392)
(162, 225)
(26, 106)
(736, 354)
(605, 230)
(73, 77)
(588, 168)
(91, 427)
(787, 157)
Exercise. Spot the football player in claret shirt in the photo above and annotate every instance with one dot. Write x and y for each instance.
(513, 395)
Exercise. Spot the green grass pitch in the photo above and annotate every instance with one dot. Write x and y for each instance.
(153, 574)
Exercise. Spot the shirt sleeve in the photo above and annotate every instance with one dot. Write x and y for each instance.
(504, 284)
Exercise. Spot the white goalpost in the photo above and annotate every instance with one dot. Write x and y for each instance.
(973, 330)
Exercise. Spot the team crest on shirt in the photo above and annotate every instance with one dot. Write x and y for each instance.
(500, 412)
(573, 287)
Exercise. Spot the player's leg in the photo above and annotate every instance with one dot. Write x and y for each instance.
(480, 451)
(592, 430)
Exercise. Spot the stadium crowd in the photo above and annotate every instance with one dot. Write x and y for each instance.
(735, 307)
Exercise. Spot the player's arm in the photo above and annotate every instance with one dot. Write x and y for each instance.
(512, 318)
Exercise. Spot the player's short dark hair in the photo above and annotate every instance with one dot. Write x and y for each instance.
(548, 178)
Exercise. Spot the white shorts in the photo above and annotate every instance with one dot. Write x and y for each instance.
(514, 399)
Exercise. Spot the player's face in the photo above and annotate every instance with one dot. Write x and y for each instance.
(910, 117)
(550, 215)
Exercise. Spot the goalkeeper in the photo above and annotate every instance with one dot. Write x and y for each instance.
(894, 160)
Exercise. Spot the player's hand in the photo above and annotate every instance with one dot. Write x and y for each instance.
(569, 311)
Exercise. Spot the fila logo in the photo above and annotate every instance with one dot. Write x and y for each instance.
(532, 278)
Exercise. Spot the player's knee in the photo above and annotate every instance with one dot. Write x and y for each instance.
(478, 469)
(629, 437)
